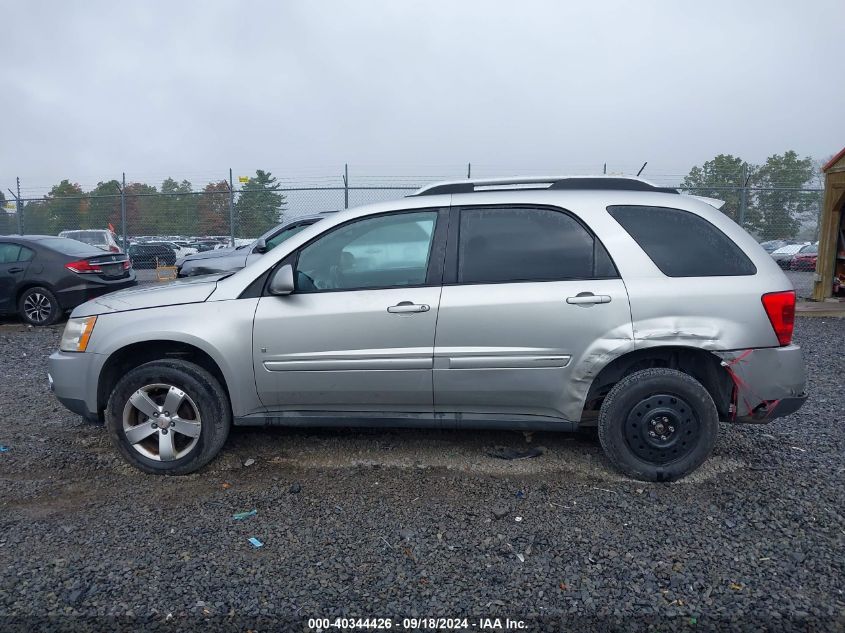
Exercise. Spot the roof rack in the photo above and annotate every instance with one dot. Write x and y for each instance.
(613, 183)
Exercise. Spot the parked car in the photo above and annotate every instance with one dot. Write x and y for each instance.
(151, 255)
(103, 239)
(231, 259)
(202, 247)
(805, 259)
(783, 256)
(180, 249)
(42, 277)
(771, 246)
(565, 303)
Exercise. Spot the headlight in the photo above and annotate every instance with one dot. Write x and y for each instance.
(77, 333)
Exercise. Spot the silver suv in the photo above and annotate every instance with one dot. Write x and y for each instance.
(532, 304)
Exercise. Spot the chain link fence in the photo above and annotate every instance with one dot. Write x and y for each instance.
(225, 213)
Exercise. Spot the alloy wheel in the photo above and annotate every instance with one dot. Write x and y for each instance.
(161, 422)
(37, 307)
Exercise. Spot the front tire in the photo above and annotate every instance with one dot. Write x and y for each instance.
(168, 417)
(658, 424)
(39, 306)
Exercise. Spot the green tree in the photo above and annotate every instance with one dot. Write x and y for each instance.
(59, 210)
(719, 178)
(213, 209)
(141, 204)
(260, 205)
(177, 208)
(780, 204)
(103, 206)
(65, 207)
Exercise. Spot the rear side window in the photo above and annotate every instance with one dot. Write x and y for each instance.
(11, 253)
(682, 244)
(527, 244)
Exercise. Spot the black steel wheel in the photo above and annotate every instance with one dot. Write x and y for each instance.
(658, 424)
(662, 428)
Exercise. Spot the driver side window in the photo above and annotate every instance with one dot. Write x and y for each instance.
(377, 252)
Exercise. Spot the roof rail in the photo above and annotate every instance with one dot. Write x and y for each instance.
(615, 183)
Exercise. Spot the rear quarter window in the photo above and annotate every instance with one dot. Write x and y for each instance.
(682, 244)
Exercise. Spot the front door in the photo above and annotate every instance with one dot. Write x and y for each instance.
(531, 300)
(14, 260)
(357, 334)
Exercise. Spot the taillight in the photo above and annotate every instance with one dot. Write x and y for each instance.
(780, 307)
(83, 266)
(114, 249)
(127, 265)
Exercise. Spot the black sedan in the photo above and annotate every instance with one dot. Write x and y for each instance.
(42, 277)
(151, 255)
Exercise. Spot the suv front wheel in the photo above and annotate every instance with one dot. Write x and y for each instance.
(168, 417)
(658, 424)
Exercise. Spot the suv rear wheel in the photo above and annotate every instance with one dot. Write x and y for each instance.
(658, 424)
(168, 417)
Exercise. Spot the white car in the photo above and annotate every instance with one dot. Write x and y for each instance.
(784, 254)
(101, 238)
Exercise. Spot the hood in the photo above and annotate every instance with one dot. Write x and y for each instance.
(189, 290)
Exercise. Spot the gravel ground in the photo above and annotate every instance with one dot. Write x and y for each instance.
(419, 523)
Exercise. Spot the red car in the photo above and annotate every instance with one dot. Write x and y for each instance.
(805, 259)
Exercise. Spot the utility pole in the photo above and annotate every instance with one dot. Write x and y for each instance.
(18, 206)
(123, 212)
(345, 185)
(605, 169)
(469, 171)
(231, 208)
(743, 194)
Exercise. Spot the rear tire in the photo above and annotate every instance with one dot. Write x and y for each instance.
(658, 424)
(39, 306)
(168, 417)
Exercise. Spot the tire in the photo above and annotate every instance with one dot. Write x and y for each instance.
(175, 450)
(39, 306)
(658, 424)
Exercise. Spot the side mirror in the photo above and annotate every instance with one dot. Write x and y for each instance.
(281, 283)
(261, 246)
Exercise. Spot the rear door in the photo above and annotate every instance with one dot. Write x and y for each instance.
(14, 261)
(531, 300)
(357, 334)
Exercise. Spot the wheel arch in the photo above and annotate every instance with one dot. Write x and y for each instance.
(28, 284)
(702, 365)
(132, 355)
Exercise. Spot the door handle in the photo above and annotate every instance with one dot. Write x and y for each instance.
(16, 270)
(587, 298)
(408, 307)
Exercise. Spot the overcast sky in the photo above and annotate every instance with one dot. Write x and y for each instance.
(91, 89)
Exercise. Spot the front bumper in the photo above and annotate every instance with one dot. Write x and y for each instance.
(768, 382)
(73, 380)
